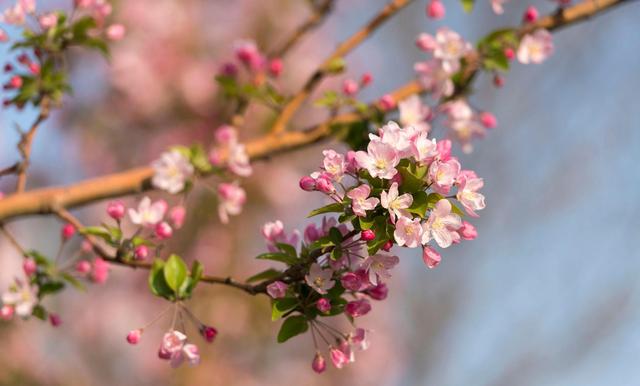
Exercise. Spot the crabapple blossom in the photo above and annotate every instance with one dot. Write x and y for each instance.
(378, 266)
(380, 160)
(468, 194)
(48, 20)
(172, 171)
(177, 215)
(22, 297)
(498, 6)
(408, 232)
(100, 272)
(450, 48)
(426, 42)
(535, 47)
(442, 175)
(319, 279)
(338, 358)
(435, 78)
(277, 289)
(387, 102)
(148, 214)
(430, 257)
(378, 292)
(351, 281)
(307, 183)
(334, 164)
(442, 225)
(424, 150)
(115, 32)
(238, 160)
(29, 267)
(6, 312)
(467, 231)
(116, 209)
(414, 113)
(358, 308)
(360, 200)
(232, 197)
(395, 203)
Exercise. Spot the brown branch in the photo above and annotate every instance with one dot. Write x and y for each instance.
(344, 48)
(43, 201)
(319, 13)
(12, 240)
(24, 146)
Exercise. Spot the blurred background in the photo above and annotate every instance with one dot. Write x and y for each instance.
(547, 294)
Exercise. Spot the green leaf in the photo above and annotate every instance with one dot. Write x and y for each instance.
(157, 283)
(336, 66)
(39, 312)
(280, 306)
(288, 249)
(412, 178)
(264, 275)
(50, 288)
(366, 222)
(420, 204)
(175, 272)
(336, 207)
(73, 281)
(199, 159)
(39, 258)
(97, 231)
(467, 5)
(328, 99)
(292, 326)
(280, 257)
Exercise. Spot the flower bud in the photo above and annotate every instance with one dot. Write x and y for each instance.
(6, 312)
(141, 252)
(498, 81)
(307, 184)
(387, 246)
(275, 67)
(116, 209)
(55, 320)
(378, 292)
(34, 68)
(351, 281)
(163, 230)
(387, 102)
(509, 53)
(100, 272)
(177, 215)
(531, 14)
(323, 305)
(83, 267)
(208, 333)
(14, 82)
(435, 10)
(430, 257)
(488, 120)
(367, 235)
(426, 42)
(277, 289)
(358, 308)
(8, 67)
(68, 230)
(350, 87)
(133, 337)
(366, 79)
(29, 267)
(338, 358)
(319, 365)
(467, 231)
(324, 185)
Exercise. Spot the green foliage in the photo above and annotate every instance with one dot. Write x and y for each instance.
(171, 280)
(292, 326)
(336, 207)
(279, 307)
(467, 5)
(267, 274)
(336, 66)
(492, 48)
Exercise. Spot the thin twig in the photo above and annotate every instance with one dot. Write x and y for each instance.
(24, 146)
(12, 240)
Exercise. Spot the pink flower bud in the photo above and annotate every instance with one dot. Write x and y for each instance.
(430, 257)
(177, 215)
(488, 120)
(55, 320)
(435, 10)
(311, 233)
(162, 206)
(358, 308)
(498, 81)
(350, 87)
(141, 252)
(426, 42)
(324, 185)
(215, 157)
(307, 184)
(14, 82)
(29, 267)
(387, 246)
(164, 353)
(275, 67)
(34, 68)
(48, 20)
(444, 150)
(163, 230)
(83, 3)
(387, 102)
(68, 230)
(8, 67)
(6, 312)
(323, 305)
(86, 246)
(531, 14)
(367, 235)
(24, 59)
(133, 337)
(83, 267)
(319, 365)
(378, 292)
(351, 281)
(277, 289)
(509, 53)
(468, 231)
(228, 69)
(226, 135)
(116, 32)
(366, 79)
(116, 209)
(208, 333)
(338, 358)
(351, 163)
(100, 272)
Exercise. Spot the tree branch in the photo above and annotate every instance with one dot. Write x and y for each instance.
(24, 146)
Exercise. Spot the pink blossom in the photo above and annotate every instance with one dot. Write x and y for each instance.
(509, 53)
(378, 266)
(226, 135)
(48, 20)
(311, 233)
(6, 312)
(173, 341)
(83, 267)
(334, 164)
(277, 289)
(323, 305)
(324, 184)
(14, 15)
(360, 201)
(338, 358)
(238, 160)
(366, 79)
(141, 252)
(351, 165)
(467, 231)
(319, 279)
(414, 113)
(29, 6)
(379, 292)
(191, 354)
(435, 9)
(442, 225)
(247, 52)
(423, 149)
(133, 337)
(367, 235)
(357, 308)
(4, 37)
(100, 272)
(435, 78)
(430, 257)
(535, 47)
(488, 120)
(171, 171)
(319, 365)
(163, 230)
(177, 215)
(442, 175)
(358, 339)
(444, 150)
(387, 102)
(350, 281)
(116, 209)
(408, 232)
(380, 160)
(29, 267)
(116, 32)
(468, 195)
(426, 42)
(231, 200)
(451, 47)
(148, 214)
(22, 297)
(497, 6)
(396, 204)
